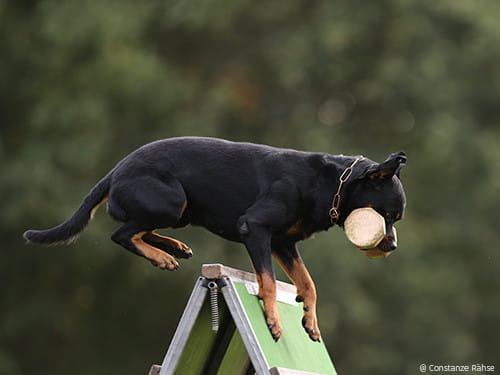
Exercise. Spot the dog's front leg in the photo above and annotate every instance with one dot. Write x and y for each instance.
(290, 260)
(257, 240)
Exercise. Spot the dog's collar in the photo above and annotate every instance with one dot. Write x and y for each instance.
(334, 212)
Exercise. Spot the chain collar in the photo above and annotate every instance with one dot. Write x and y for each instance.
(334, 212)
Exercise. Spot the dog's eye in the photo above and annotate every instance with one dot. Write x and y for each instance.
(392, 217)
(397, 217)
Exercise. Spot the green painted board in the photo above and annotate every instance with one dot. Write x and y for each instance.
(294, 350)
(198, 354)
(236, 360)
(199, 346)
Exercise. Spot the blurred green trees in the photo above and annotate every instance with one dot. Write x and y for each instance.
(83, 83)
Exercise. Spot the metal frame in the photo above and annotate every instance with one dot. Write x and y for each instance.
(225, 277)
(184, 328)
(247, 333)
(188, 319)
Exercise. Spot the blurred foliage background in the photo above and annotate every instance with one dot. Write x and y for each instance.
(83, 83)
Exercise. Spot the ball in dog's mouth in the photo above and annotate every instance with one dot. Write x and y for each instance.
(365, 229)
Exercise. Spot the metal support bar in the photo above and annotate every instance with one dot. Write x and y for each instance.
(184, 328)
(247, 333)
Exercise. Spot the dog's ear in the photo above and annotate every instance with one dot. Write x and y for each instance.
(388, 168)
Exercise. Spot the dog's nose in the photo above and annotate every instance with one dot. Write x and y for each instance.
(392, 244)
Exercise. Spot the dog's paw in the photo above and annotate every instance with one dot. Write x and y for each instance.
(275, 328)
(165, 263)
(184, 251)
(177, 248)
(310, 324)
(170, 245)
(180, 250)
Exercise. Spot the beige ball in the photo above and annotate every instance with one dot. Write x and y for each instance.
(364, 228)
(376, 253)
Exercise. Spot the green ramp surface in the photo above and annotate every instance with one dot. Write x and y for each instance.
(294, 350)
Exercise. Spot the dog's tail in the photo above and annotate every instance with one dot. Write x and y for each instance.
(69, 231)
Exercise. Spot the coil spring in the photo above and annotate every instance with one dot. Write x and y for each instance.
(214, 305)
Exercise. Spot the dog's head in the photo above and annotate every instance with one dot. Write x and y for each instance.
(378, 186)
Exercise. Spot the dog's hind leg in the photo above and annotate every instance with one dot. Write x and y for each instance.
(130, 237)
(146, 203)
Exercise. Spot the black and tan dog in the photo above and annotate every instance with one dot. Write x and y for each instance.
(267, 198)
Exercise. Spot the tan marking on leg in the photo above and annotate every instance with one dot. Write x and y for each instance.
(306, 290)
(97, 206)
(267, 292)
(157, 257)
(171, 242)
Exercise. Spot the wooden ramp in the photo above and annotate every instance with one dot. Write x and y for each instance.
(242, 344)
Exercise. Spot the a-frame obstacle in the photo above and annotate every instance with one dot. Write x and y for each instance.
(239, 343)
